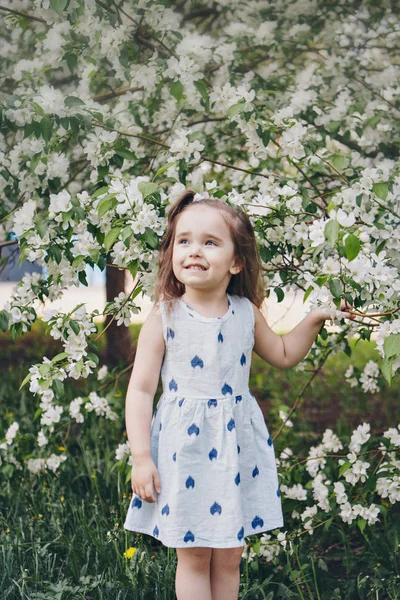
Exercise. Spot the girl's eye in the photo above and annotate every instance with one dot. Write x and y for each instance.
(180, 241)
(211, 242)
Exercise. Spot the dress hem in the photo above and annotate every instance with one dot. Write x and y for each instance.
(206, 544)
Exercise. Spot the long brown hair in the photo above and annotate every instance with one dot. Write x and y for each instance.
(248, 282)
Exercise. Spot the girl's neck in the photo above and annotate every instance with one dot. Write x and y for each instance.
(215, 303)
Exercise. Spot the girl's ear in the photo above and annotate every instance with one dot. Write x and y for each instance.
(236, 267)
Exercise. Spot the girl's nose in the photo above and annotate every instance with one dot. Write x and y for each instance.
(195, 250)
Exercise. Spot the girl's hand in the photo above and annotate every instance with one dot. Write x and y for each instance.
(144, 474)
(345, 312)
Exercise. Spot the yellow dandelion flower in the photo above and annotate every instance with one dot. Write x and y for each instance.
(93, 476)
(40, 516)
(153, 556)
(62, 498)
(129, 552)
(62, 448)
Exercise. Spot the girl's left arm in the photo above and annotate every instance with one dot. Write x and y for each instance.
(288, 350)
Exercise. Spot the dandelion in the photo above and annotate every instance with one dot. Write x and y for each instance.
(129, 552)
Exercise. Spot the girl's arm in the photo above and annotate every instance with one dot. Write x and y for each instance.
(143, 385)
(288, 350)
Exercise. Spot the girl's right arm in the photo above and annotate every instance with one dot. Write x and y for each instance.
(139, 404)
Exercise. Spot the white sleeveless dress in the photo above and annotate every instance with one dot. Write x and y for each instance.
(209, 440)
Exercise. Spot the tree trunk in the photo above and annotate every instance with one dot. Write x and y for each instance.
(119, 342)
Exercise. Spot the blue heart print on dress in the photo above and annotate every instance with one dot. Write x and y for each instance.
(269, 440)
(165, 510)
(197, 362)
(136, 503)
(231, 425)
(257, 522)
(213, 454)
(190, 482)
(238, 449)
(174, 457)
(189, 537)
(243, 359)
(278, 493)
(220, 338)
(160, 426)
(193, 429)
(238, 399)
(180, 402)
(156, 531)
(226, 389)
(212, 402)
(255, 471)
(240, 534)
(173, 386)
(215, 508)
(170, 333)
(237, 479)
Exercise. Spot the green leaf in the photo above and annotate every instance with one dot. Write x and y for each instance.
(58, 5)
(235, 109)
(151, 238)
(279, 293)
(345, 466)
(58, 388)
(391, 345)
(308, 292)
(93, 357)
(46, 128)
(111, 236)
(4, 320)
(72, 61)
(100, 191)
(25, 381)
(332, 231)
(387, 369)
(361, 523)
(82, 278)
(163, 169)
(133, 269)
(59, 357)
(106, 204)
(125, 153)
(381, 190)
(201, 87)
(72, 101)
(335, 287)
(38, 109)
(74, 326)
(338, 161)
(176, 89)
(352, 246)
(147, 188)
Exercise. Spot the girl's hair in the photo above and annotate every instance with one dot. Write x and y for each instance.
(248, 282)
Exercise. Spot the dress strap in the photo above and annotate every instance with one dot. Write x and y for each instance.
(165, 312)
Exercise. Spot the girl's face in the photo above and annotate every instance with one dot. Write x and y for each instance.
(203, 252)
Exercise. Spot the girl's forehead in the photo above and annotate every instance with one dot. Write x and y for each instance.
(201, 217)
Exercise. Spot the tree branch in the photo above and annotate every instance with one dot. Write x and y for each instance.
(24, 15)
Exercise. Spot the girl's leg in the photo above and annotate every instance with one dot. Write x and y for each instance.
(225, 573)
(193, 574)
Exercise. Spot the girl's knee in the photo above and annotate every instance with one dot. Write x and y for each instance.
(226, 559)
(199, 558)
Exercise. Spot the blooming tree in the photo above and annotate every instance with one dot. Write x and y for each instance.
(287, 110)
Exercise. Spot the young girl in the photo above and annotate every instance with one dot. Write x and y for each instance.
(204, 473)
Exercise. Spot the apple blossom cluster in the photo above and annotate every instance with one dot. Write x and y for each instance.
(333, 497)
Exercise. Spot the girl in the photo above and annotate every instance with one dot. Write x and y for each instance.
(204, 473)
